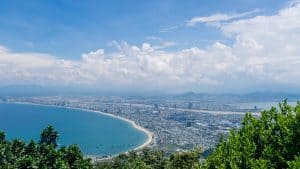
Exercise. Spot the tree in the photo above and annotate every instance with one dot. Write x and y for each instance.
(2, 136)
(45, 155)
(154, 158)
(184, 160)
(295, 164)
(49, 136)
(269, 141)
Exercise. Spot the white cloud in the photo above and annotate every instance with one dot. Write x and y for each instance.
(160, 43)
(153, 38)
(169, 29)
(219, 17)
(131, 65)
(269, 44)
(165, 44)
(265, 51)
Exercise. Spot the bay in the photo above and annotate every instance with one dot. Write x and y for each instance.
(96, 134)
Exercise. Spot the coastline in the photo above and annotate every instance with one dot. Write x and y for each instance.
(150, 135)
(133, 123)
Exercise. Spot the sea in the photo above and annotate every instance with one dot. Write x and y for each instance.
(96, 134)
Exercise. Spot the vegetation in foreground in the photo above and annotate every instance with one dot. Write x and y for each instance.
(271, 141)
(17, 154)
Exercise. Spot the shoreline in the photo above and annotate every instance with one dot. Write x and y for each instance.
(150, 135)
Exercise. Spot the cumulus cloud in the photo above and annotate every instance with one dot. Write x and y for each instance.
(131, 65)
(269, 44)
(264, 51)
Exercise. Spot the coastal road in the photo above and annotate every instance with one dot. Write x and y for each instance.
(214, 112)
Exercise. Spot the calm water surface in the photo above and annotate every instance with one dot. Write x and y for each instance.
(96, 134)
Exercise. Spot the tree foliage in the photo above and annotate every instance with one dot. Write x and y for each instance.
(49, 136)
(271, 141)
(17, 154)
(153, 159)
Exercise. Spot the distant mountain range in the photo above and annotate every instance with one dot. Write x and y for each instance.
(254, 96)
(36, 90)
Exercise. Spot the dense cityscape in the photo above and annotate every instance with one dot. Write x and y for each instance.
(177, 123)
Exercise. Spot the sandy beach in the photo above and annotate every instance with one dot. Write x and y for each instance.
(150, 135)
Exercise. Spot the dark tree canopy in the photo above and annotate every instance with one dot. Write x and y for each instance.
(49, 136)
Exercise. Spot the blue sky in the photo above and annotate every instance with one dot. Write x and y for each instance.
(69, 28)
(205, 46)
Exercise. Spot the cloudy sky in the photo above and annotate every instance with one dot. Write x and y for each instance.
(169, 45)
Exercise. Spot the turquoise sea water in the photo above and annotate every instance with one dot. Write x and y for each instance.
(96, 134)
